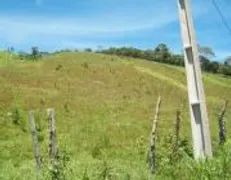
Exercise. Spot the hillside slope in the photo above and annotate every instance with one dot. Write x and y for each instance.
(104, 108)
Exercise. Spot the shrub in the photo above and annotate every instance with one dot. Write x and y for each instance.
(16, 115)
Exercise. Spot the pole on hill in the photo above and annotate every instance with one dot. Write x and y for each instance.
(199, 118)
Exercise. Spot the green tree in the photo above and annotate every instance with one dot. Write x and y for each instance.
(206, 51)
(23, 55)
(205, 62)
(214, 67)
(10, 49)
(226, 70)
(162, 53)
(35, 52)
(177, 60)
(88, 50)
(228, 61)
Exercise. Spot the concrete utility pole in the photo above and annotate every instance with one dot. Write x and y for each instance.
(199, 118)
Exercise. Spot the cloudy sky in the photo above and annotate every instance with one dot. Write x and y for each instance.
(55, 24)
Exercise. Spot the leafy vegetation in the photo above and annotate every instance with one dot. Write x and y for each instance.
(104, 107)
(162, 54)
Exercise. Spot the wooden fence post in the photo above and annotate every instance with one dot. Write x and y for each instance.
(35, 144)
(52, 132)
(221, 123)
(176, 134)
(153, 137)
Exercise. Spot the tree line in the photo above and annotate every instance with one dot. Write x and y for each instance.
(36, 54)
(160, 54)
(163, 54)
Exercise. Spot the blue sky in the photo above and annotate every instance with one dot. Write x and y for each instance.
(56, 24)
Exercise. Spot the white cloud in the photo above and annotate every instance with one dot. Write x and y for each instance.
(83, 26)
(17, 29)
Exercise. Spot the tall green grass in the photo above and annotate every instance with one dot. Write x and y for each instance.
(104, 108)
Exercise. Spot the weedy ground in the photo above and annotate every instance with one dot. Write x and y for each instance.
(104, 107)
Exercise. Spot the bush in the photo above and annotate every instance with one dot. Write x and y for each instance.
(16, 115)
(162, 54)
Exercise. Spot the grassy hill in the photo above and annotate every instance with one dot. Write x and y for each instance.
(104, 108)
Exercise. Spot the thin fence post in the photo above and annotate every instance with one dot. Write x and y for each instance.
(176, 134)
(153, 137)
(35, 144)
(52, 136)
(177, 127)
(221, 124)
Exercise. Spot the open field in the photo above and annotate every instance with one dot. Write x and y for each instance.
(104, 109)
